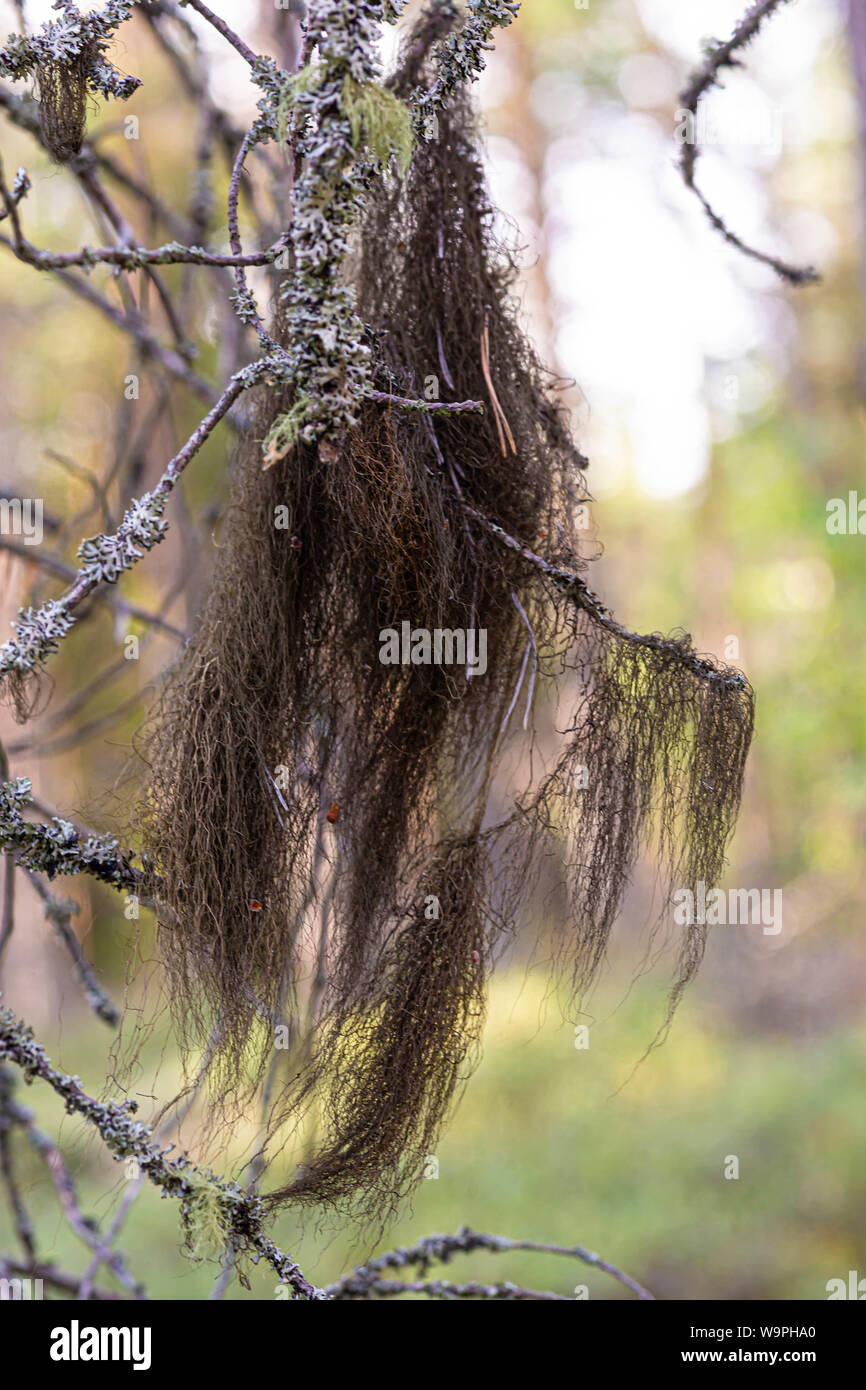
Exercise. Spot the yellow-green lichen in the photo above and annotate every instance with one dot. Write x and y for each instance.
(379, 121)
(306, 80)
(203, 1219)
(284, 433)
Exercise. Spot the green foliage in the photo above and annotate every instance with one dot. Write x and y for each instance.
(560, 1144)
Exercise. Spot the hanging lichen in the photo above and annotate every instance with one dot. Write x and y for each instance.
(62, 90)
(284, 433)
(67, 57)
(379, 121)
(281, 709)
(203, 1218)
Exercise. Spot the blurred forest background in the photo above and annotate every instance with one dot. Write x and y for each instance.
(721, 411)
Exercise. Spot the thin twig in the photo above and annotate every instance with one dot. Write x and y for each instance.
(428, 407)
(222, 28)
(128, 1138)
(580, 592)
(64, 1184)
(7, 921)
(719, 56)
(57, 1278)
(439, 1249)
(20, 1215)
(60, 912)
(58, 566)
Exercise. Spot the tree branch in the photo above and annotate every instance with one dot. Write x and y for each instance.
(720, 56)
(129, 1138)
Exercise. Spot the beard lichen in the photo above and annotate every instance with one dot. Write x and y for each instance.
(61, 85)
(276, 913)
(380, 122)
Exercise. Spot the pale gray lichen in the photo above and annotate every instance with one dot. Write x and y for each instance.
(143, 526)
(58, 848)
(38, 635)
(460, 56)
(62, 40)
(330, 359)
(40, 630)
(343, 129)
(21, 186)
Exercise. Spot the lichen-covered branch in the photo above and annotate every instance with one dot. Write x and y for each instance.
(104, 558)
(366, 1279)
(59, 848)
(74, 35)
(54, 565)
(429, 407)
(329, 357)
(342, 112)
(579, 591)
(201, 1194)
(460, 55)
(137, 257)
